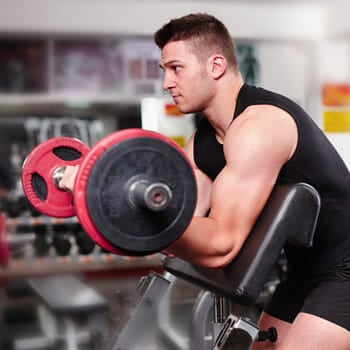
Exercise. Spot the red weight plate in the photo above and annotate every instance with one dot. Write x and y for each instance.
(41, 163)
(83, 175)
(4, 247)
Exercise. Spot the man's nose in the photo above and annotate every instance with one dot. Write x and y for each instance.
(168, 82)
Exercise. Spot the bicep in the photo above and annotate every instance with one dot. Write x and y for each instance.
(236, 202)
(254, 153)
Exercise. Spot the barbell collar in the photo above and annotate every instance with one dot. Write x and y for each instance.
(142, 193)
(58, 175)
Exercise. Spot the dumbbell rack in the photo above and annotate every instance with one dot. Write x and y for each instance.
(97, 260)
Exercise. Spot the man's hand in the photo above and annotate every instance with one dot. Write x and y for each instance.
(68, 178)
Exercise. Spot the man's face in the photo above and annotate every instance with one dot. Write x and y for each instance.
(185, 77)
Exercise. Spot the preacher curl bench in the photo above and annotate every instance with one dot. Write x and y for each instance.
(290, 215)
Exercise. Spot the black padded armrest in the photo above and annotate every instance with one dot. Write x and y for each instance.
(290, 214)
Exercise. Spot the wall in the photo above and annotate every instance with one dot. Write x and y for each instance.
(244, 19)
(284, 68)
(335, 68)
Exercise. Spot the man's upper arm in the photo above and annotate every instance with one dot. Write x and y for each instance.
(255, 150)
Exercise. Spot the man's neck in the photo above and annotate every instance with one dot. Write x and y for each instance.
(220, 113)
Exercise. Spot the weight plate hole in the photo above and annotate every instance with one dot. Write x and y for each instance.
(66, 153)
(39, 186)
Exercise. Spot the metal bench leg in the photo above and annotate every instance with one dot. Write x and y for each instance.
(135, 331)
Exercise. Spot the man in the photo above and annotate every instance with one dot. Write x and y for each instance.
(249, 140)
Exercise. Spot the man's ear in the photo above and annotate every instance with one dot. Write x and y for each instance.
(217, 66)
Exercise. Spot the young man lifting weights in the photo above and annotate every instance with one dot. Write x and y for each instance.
(249, 140)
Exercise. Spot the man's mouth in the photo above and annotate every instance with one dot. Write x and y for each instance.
(175, 97)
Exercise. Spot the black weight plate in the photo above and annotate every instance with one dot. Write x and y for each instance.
(140, 231)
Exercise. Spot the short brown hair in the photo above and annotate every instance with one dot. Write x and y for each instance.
(205, 33)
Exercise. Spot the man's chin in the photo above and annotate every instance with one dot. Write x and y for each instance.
(183, 109)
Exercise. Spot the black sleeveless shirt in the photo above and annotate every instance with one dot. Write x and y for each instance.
(315, 162)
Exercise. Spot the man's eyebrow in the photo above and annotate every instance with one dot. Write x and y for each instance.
(169, 63)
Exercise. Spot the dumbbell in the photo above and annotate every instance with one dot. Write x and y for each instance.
(62, 244)
(134, 193)
(85, 244)
(11, 241)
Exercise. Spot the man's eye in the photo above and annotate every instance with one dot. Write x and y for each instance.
(176, 68)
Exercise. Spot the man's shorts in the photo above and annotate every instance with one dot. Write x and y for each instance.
(327, 296)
